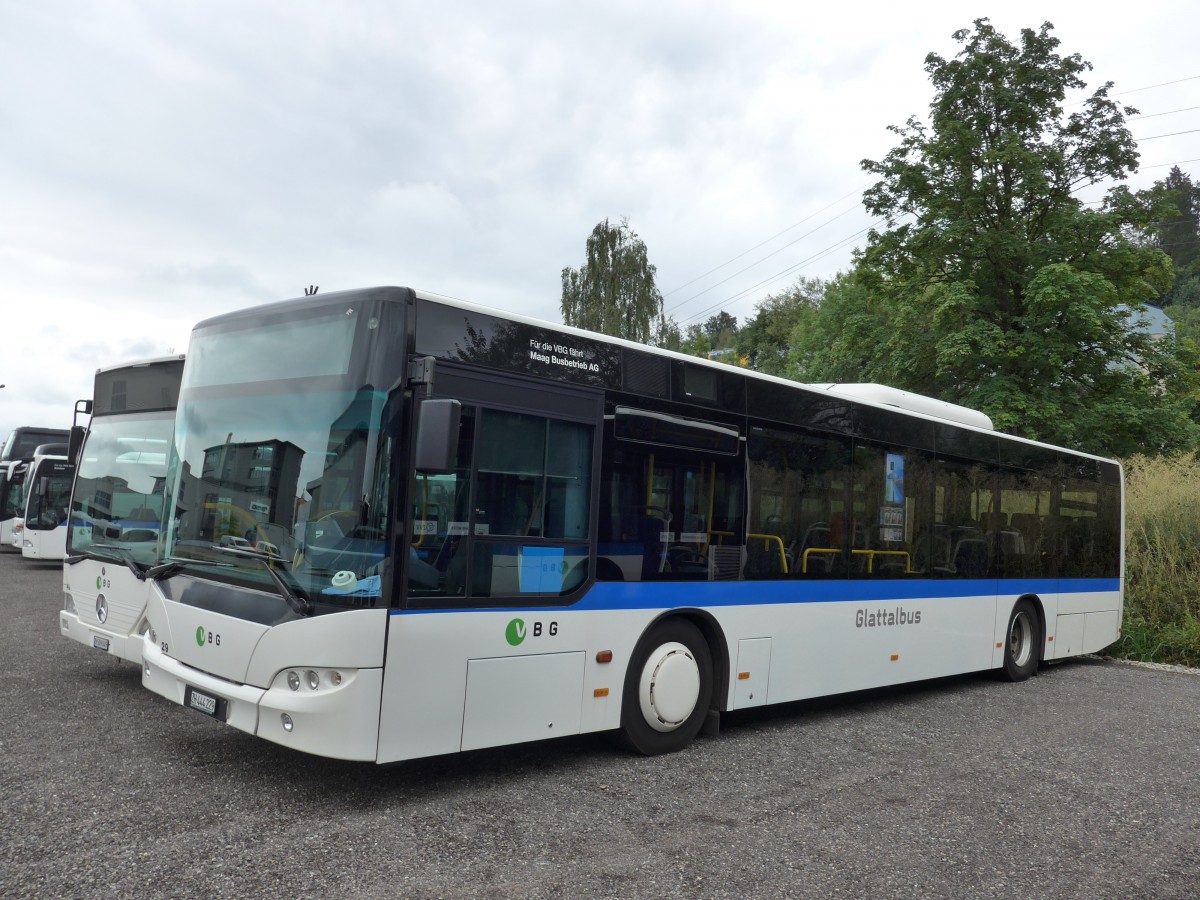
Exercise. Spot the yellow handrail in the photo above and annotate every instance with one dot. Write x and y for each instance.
(766, 538)
(804, 563)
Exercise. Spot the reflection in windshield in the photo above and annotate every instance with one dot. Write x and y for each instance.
(287, 478)
(47, 505)
(117, 504)
(279, 464)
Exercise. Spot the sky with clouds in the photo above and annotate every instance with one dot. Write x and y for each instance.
(163, 162)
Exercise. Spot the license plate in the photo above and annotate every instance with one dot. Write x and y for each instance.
(100, 643)
(205, 703)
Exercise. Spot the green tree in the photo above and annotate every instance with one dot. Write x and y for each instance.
(614, 291)
(695, 342)
(721, 330)
(1176, 231)
(780, 323)
(993, 285)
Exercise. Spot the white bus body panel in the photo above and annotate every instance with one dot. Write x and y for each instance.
(246, 664)
(433, 656)
(123, 608)
(453, 682)
(7, 541)
(1085, 623)
(751, 675)
(44, 545)
(491, 719)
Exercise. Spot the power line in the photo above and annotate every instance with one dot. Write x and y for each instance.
(1169, 112)
(790, 270)
(1160, 84)
(762, 243)
(756, 262)
(1164, 165)
(1155, 137)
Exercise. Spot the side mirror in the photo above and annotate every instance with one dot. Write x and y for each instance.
(75, 443)
(437, 436)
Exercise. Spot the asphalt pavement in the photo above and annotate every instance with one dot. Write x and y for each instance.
(1082, 782)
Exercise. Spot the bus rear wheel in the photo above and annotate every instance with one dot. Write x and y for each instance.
(1021, 642)
(668, 687)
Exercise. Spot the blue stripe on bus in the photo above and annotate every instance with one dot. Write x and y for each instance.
(615, 595)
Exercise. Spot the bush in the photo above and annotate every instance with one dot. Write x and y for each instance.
(1162, 561)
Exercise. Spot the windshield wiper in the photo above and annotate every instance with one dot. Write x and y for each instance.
(297, 602)
(177, 564)
(126, 557)
(300, 604)
(164, 570)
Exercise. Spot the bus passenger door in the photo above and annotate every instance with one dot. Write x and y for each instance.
(481, 652)
(669, 512)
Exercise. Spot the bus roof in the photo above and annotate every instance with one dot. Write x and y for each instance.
(868, 395)
(139, 363)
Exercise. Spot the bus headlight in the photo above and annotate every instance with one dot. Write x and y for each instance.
(68, 602)
(315, 680)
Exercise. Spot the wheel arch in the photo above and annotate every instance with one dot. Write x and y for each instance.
(1040, 610)
(718, 647)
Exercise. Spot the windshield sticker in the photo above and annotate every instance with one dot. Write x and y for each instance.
(361, 587)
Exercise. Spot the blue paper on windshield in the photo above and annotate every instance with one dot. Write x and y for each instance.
(366, 587)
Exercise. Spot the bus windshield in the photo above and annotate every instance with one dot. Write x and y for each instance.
(49, 494)
(279, 467)
(12, 491)
(23, 441)
(117, 504)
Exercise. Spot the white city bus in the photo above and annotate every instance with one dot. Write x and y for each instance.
(116, 504)
(487, 529)
(14, 463)
(43, 529)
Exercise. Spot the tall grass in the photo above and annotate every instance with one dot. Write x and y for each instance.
(1162, 561)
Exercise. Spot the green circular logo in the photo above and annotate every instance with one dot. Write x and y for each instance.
(200, 636)
(515, 632)
(98, 584)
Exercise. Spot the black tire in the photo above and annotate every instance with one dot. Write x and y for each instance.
(668, 688)
(1022, 642)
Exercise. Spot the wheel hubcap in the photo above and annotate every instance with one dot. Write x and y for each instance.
(1020, 643)
(670, 687)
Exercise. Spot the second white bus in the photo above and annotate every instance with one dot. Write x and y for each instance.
(116, 505)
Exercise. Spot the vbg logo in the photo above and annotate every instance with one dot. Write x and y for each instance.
(207, 637)
(517, 631)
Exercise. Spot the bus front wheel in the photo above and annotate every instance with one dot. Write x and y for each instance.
(668, 687)
(1021, 642)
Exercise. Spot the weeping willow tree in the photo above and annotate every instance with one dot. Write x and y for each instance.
(614, 292)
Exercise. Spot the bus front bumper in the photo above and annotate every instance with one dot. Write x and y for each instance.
(340, 721)
(123, 646)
